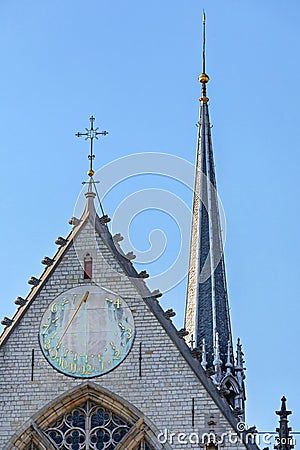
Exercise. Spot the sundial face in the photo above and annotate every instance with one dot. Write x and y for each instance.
(86, 331)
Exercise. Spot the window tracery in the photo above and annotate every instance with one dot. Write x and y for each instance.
(86, 419)
(89, 426)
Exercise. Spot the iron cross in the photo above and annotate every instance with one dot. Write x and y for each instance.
(91, 134)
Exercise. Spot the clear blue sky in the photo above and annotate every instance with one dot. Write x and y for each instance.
(134, 65)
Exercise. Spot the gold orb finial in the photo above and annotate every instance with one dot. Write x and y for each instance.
(90, 172)
(203, 78)
(203, 99)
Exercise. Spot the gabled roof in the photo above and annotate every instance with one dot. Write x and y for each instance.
(90, 215)
(151, 301)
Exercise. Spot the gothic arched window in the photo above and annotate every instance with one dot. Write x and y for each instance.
(89, 426)
(87, 418)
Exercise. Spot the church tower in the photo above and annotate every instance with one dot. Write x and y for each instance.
(207, 317)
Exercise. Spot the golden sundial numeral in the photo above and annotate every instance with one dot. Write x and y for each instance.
(117, 352)
(46, 326)
(116, 302)
(73, 368)
(117, 356)
(87, 369)
(128, 333)
(54, 308)
(47, 344)
(53, 353)
(63, 363)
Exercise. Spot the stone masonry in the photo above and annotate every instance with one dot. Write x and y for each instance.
(167, 389)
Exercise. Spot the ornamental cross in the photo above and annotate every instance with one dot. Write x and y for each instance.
(91, 134)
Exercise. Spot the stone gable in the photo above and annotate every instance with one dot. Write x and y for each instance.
(167, 391)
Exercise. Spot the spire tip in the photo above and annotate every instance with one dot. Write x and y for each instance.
(203, 78)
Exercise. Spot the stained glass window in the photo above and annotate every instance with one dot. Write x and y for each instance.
(89, 426)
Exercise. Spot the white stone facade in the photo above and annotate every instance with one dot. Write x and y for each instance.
(167, 391)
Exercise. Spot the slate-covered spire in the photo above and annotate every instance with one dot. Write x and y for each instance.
(284, 440)
(207, 310)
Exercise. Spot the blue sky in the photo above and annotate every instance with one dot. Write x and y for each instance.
(134, 65)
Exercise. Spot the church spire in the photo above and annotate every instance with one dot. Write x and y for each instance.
(207, 310)
(207, 315)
